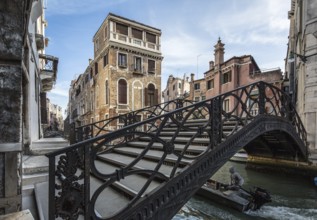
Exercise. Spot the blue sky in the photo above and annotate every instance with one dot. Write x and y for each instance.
(190, 29)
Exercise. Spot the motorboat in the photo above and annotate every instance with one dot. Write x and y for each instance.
(240, 199)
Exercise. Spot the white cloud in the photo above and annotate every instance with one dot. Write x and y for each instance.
(61, 89)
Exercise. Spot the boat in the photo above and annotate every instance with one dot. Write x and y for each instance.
(241, 199)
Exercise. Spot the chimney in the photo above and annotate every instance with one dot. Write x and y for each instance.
(219, 52)
(90, 60)
(192, 77)
(211, 65)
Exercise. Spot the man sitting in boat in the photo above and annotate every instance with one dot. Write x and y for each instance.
(236, 179)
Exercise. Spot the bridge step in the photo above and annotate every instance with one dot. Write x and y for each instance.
(158, 146)
(124, 160)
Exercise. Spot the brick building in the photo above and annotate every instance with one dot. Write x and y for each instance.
(125, 74)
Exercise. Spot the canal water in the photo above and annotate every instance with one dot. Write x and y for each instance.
(293, 198)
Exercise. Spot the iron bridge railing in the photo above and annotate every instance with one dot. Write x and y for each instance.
(69, 181)
(111, 124)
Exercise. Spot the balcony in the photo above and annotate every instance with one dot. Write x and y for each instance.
(40, 41)
(136, 69)
(48, 65)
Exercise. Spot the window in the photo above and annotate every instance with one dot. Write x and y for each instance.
(105, 60)
(196, 99)
(96, 68)
(107, 92)
(106, 33)
(137, 66)
(196, 86)
(226, 105)
(91, 100)
(167, 92)
(179, 85)
(97, 44)
(151, 94)
(137, 33)
(122, 60)
(150, 38)
(151, 66)
(173, 87)
(226, 77)
(106, 119)
(97, 98)
(122, 91)
(210, 84)
(203, 98)
(122, 29)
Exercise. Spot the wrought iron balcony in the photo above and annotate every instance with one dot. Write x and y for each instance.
(48, 71)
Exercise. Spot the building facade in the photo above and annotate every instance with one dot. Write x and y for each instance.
(24, 76)
(301, 64)
(176, 88)
(227, 75)
(125, 74)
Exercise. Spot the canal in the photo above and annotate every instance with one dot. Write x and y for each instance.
(293, 198)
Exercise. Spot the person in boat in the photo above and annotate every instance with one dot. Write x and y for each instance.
(236, 179)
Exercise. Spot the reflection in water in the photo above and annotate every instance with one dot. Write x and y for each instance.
(292, 198)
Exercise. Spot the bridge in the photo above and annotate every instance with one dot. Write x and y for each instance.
(148, 169)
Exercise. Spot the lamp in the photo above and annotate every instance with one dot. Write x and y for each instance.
(302, 57)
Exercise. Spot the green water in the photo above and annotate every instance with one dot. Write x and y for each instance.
(293, 198)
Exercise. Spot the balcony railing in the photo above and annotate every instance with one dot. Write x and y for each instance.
(48, 65)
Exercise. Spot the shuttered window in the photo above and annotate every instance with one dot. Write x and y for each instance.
(137, 33)
(151, 66)
(121, 29)
(150, 38)
(151, 95)
(122, 91)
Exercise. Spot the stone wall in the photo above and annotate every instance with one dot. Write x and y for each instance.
(13, 18)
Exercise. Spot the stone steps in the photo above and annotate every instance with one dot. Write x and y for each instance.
(47, 145)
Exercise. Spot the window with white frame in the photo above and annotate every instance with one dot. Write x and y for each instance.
(137, 66)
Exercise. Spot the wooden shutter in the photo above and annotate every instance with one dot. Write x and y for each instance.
(122, 91)
(156, 97)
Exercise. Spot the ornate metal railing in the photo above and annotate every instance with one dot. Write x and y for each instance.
(69, 182)
(111, 124)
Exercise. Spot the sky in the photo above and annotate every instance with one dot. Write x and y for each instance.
(190, 29)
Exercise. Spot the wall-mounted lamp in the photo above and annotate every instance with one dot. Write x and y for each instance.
(303, 58)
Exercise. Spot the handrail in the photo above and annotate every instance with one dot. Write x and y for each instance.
(102, 126)
(69, 181)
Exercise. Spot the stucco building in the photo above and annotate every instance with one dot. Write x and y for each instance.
(125, 74)
(176, 87)
(301, 64)
(226, 75)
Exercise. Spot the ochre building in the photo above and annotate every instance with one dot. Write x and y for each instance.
(125, 74)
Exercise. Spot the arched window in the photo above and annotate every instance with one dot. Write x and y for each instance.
(122, 91)
(151, 95)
